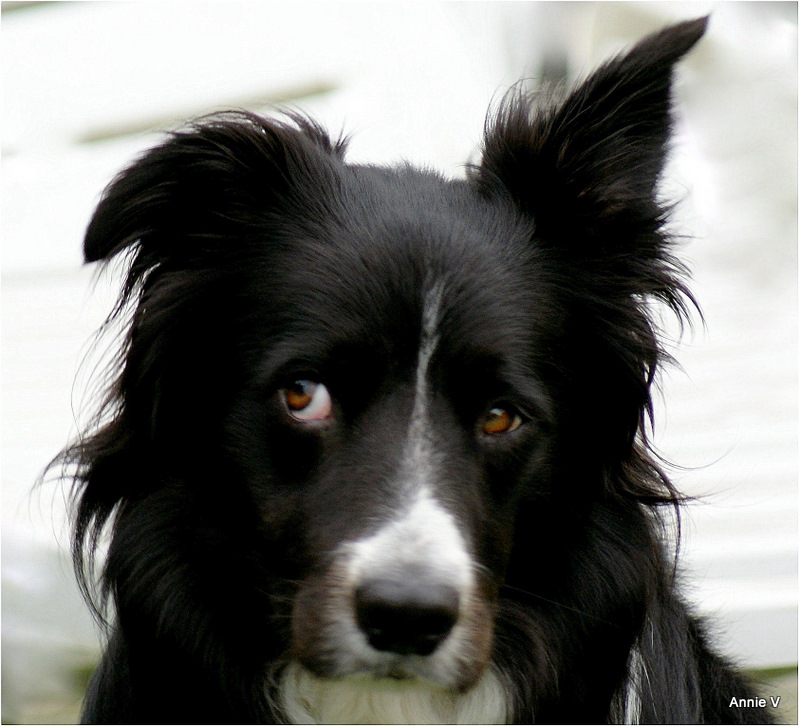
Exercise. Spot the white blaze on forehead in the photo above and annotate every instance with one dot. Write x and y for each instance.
(429, 337)
(423, 532)
(418, 451)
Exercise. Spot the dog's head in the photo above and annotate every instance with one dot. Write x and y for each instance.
(354, 402)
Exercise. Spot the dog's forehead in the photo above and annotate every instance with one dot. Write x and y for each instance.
(409, 253)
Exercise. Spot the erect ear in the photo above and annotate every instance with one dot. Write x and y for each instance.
(206, 184)
(588, 166)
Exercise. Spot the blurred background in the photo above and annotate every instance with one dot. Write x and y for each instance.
(86, 86)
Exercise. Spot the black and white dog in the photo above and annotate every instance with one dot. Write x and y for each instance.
(375, 450)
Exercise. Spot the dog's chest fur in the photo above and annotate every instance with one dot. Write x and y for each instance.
(305, 699)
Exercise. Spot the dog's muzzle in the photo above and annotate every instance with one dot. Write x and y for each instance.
(406, 602)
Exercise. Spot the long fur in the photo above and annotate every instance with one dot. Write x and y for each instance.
(240, 537)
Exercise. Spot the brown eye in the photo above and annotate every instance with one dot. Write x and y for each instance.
(307, 401)
(499, 420)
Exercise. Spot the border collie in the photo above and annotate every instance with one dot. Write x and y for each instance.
(374, 448)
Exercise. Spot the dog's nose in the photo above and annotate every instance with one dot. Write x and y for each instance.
(406, 616)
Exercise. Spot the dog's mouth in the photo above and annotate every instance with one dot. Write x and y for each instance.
(397, 677)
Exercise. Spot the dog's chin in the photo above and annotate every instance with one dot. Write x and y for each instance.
(397, 675)
(396, 681)
(397, 672)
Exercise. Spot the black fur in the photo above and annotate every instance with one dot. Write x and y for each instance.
(256, 256)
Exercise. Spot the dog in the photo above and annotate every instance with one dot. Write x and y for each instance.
(374, 449)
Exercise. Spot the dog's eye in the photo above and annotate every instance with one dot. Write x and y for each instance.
(307, 401)
(500, 420)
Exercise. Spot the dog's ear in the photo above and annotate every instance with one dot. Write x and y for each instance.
(220, 174)
(587, 167)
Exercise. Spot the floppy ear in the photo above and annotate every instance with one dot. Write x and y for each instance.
(209, 182)
(587, 168)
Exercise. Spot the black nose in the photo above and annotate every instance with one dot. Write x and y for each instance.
(404, 616)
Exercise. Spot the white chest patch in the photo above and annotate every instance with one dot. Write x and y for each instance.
(306, 699)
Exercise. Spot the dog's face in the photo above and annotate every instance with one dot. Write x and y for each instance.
(391, 416)
(375, 398)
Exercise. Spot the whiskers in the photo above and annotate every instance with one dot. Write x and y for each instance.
(565, 606)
